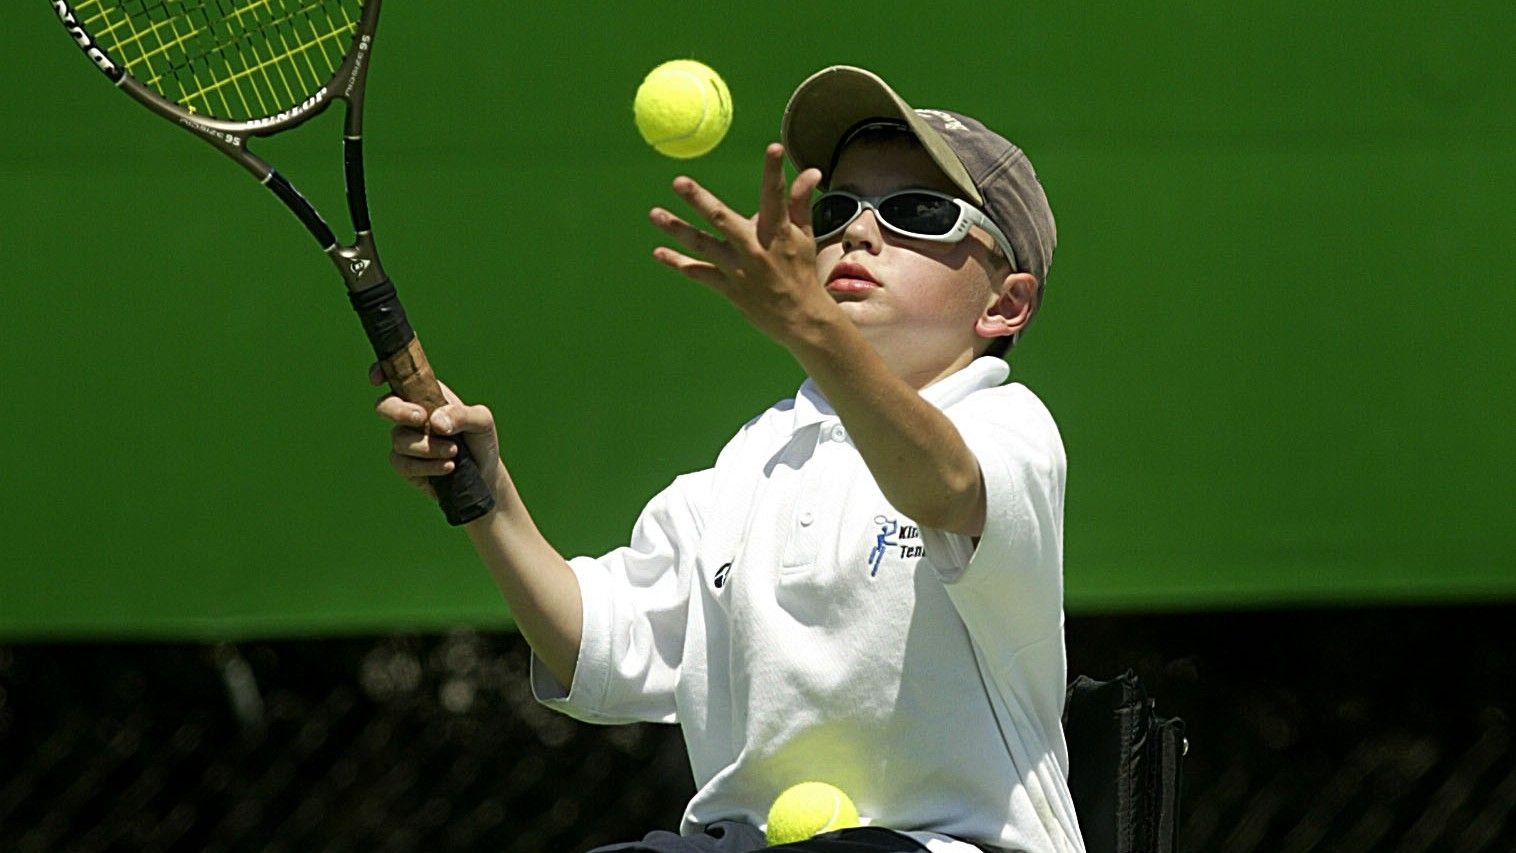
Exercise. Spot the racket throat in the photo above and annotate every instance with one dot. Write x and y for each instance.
(358, 264)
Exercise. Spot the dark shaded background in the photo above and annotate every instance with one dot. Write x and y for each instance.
(1310, 730)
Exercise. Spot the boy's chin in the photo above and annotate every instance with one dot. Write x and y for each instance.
(868, 322)
(860, 312)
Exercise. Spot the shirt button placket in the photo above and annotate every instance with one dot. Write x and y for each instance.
(835, 433)
(801, 548)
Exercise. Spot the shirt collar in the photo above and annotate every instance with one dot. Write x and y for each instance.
(811, 406)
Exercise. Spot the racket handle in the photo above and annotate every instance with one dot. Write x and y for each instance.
(462, 493)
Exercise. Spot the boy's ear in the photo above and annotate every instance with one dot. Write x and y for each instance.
(1010, 312)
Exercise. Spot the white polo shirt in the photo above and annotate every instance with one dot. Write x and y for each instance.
(798, 627)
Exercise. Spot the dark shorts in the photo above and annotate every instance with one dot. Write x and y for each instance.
(725, 836)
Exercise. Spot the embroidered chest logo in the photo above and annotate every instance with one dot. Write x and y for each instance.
(888, 535)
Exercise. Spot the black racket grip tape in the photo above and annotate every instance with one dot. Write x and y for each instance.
(383, 318)
(462, 493)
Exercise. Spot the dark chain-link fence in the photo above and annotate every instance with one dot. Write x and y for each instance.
(1325, 730)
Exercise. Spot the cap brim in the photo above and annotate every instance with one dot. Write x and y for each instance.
(835, 100)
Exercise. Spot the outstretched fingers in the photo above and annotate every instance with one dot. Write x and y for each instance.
(691, 237)
(721, 259)
(704, 272)
(771, 203)
(800, 198)
(735, 227)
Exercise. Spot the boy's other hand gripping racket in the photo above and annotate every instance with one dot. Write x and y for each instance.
(231, 70)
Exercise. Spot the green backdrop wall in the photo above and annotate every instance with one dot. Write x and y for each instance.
(1278, 333)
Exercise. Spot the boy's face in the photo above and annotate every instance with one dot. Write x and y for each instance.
(930, 298)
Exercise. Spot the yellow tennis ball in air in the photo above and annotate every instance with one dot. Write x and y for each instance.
(808, 809)
(683, 108)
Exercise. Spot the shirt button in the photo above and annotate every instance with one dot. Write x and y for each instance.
(839, 433)
(806, 518)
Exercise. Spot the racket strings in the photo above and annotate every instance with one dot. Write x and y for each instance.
(231, 59)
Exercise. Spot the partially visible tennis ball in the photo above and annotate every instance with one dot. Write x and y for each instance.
(808, 809)
(683, 108)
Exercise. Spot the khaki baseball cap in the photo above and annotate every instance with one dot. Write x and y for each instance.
(832, 104)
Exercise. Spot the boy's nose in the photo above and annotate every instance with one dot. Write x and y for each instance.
(862, 232)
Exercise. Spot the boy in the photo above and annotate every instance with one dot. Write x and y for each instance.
(866, 587)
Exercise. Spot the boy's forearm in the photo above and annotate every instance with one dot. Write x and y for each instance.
(915, 453)
(537, 583)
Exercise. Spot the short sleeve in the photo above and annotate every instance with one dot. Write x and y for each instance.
(1014, 572)
(635, 601)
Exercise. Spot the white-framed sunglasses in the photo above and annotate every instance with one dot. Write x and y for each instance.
(919, 214)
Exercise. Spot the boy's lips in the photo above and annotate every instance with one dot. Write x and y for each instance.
(848, 277)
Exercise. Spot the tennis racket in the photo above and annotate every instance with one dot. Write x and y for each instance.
(231, 70)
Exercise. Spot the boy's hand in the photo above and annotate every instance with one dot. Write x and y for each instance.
(417, 448)
(766, 265)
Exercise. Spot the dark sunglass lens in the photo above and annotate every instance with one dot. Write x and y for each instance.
(920, 213)
(831, 212)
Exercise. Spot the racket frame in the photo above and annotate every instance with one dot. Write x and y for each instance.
(463, 494)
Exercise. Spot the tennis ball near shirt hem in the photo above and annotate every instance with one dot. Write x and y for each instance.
(808, 809)
(683, 108)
